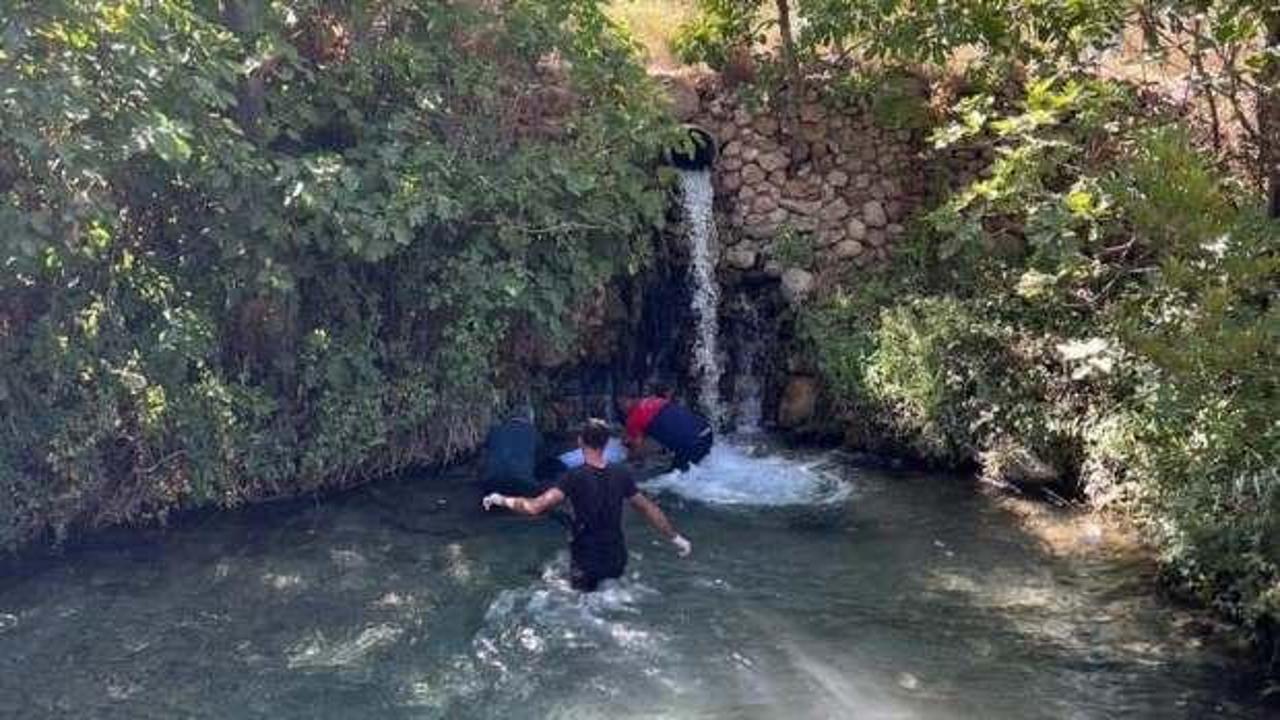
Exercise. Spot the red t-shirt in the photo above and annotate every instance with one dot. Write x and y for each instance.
(642, 414)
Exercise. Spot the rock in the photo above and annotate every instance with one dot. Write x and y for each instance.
(752, 175)
(801, 189)
(855, 229)
(741, 258)
(804, 223)
(764, 203)
(876, 237)
(873, 214)
(862, 182)
(765, 125)
(731, 163)
(895, 230)
(1009, 462)
(811, 113)
(779, 216)
(829, 236)
(837, 178)
(846, 249)
(813, 134)
(681, 96)
(808, 208)
(731, 150)
(741, 118)
(797, 284)
(731, 181)
(836, 210)
(750, 153)
(773, 269)
(773, 161)
(778, 178)
(799, 400)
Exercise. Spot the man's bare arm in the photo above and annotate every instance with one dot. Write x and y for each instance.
(527, 506)
(655, 517)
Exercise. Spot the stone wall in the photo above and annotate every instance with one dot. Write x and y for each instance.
(833, 199)
(803, 215)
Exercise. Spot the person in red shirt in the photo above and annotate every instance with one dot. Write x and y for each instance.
(685, 433)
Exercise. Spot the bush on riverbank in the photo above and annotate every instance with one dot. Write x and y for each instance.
(254, 249)
(1100, 310)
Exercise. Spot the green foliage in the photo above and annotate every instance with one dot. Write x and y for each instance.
(721, 28)
(929, 31)
(897, 102)
(253, 249)
(1104, 299)
(793, 248)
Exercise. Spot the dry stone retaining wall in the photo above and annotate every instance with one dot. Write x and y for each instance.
(833, 198)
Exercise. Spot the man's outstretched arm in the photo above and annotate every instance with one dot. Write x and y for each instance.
(655, 517)
(525, 506)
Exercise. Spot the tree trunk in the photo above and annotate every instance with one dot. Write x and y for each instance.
(795, 80)
(244, 18)
(1269, 115)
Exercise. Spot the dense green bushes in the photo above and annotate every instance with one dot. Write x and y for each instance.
(1102, 308)
(252, 249)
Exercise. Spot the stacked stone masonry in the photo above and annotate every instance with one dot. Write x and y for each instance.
(842, 188)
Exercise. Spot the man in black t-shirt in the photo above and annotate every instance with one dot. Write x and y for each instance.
(596, 491)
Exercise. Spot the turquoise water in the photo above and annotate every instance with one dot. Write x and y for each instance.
(816, 590)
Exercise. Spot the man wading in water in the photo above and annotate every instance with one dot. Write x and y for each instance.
(596, 490)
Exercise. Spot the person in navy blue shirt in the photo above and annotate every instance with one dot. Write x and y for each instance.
(511, 455)
(686, 434)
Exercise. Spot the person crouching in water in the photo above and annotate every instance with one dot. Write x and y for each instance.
(596, 491)
(686, 434)
(511, 454)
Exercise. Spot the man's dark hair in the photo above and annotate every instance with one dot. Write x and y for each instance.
(594, 434)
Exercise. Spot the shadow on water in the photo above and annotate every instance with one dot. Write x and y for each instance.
(851, 593)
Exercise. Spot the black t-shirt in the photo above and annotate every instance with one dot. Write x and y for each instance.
(597, 495)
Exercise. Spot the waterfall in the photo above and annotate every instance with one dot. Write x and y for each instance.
(748, 351)
(698, 195)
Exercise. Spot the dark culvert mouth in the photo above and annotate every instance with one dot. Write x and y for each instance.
(698, 154)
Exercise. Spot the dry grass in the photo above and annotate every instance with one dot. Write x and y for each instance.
(653, 23)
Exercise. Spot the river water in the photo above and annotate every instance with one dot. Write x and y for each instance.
(816, 590)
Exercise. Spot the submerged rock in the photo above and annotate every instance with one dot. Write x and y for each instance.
(797, 284)
(799, 401)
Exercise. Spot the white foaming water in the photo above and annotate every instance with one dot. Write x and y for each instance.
(732, 475)
(699, 196)
(537, 635)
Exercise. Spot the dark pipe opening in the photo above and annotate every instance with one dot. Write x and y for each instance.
(696, 154)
